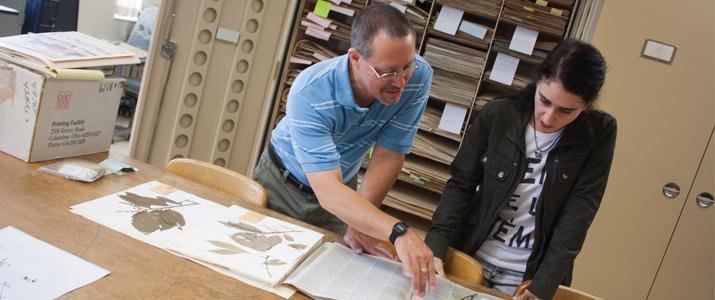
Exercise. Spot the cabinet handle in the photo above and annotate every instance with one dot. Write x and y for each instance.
(671, 190)
(705, 199)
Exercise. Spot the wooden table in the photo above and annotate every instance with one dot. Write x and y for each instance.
(39, 203)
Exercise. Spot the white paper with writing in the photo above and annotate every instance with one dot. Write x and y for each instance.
(476, 30)
(452, 118)
(504, 69)
(448, 20)
(401, 7)
(33, 269)
(523, 40)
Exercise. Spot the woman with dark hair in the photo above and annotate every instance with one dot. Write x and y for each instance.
(529, 177)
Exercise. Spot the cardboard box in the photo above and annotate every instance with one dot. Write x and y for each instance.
(43, 118)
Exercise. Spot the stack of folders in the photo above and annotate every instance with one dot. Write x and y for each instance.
(484, 98)
(463, 37)
(283, 105)
(456, 71)
(324, 29)
(485, 8)
(434, 147)
(307, 52)
(292, 74)
(453, 87)
(456, 58)
(545, 19)
(424, 172)
(411, 200)
(415, 14)
(520, 81)
(430, 123)
(501, 44)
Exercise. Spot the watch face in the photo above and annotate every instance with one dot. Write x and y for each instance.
(399, 227)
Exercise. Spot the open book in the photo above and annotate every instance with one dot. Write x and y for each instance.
(52, 52)
(259, 250)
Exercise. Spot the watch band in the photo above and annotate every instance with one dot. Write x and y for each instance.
(397, 230)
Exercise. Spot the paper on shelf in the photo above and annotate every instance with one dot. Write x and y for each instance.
(319, 20)
(317, 33)
(473, 29)
(448, 20)
(452, 118)
(524, 40)
(401, 7)
(504, 69)
(342, 10)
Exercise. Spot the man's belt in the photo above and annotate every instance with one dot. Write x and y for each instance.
(284, 171)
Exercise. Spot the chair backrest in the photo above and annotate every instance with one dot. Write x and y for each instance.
(458, 266)
(562, 293)
(222, 179)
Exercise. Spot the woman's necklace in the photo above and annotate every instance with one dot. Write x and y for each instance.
(539, 152)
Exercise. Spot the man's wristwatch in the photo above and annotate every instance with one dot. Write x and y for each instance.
(397, 230)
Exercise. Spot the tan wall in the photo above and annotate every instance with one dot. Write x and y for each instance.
(665, 114)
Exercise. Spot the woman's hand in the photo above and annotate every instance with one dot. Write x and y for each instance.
(526, 295)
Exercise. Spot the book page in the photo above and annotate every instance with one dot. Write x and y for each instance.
(335, 272)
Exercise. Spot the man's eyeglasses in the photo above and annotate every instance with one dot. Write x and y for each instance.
(390, 75)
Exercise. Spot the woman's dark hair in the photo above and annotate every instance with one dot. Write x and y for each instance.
(578, 66)
(374, 19)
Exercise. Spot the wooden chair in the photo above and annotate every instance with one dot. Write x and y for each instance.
(219, 178)
(562, 293)
(459, 267)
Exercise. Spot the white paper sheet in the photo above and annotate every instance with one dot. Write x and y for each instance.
(452, 118)
(118, 214)
(316, 33)
(448, 20)
(504, 69)
(523, 40)
(342, 10)
(219, 242)
(33, 269)
(401, 7)
(325, 23)
(476, 30)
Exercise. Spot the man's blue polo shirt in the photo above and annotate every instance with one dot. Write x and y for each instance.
(324, 129)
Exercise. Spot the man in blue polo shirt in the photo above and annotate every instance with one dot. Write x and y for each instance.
(338, 109)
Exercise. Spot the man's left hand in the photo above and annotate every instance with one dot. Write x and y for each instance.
(360, 243)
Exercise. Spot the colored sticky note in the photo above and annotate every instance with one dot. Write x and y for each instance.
(322, 8)
(541, 3)
(557, 12)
